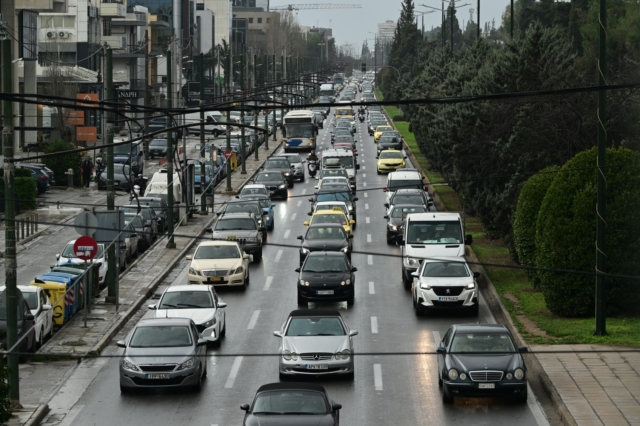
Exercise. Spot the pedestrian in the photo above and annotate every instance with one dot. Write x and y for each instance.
(86, 168)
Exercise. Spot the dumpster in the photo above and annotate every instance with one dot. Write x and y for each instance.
(65, 296)
(234, 161)
(75, 297)
(55, 291)
(77, 269)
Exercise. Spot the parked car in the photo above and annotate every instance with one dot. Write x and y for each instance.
(40, 306)
(41, 177)
(68, 255)
(26, 321)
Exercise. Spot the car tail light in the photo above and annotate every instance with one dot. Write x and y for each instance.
(384, 189)
(44, 177)
(426, 188)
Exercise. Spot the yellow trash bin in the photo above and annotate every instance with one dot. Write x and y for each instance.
(56, 292)
(234, 161)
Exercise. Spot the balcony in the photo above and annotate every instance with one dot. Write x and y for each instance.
(130, 51)
(113, 9)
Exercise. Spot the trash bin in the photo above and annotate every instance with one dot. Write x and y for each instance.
(77, 269)
(234, 161)
(66, 296)
(56, 293)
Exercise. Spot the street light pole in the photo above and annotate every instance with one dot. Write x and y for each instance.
(170, 201)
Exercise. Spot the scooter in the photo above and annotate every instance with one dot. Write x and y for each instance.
(135, 193)
(312, 166)
(361, 118)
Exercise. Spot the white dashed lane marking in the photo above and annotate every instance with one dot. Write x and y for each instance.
(372, 288)
(286, 233)
(374, 325)
(367, 220)
(368, 238)
(377, 376)
(253, 320)
(234, 372)
(278, 256)
(267, 284)
(370, 260)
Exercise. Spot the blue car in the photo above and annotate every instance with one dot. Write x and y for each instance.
(208, 175)
(267, 207)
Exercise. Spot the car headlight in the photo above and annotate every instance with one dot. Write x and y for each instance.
(518, 374)
(463, 376)
(289, 356)
(453, 374)
(260, 222)
(509, 376)
(238, 270)
(304, 251)
(251, 239)
(347, 282)
(282, 186)
(304, 283)
(425, 286)
(209, 323)
(350, 208)
(345, 354)
(287, 174)
(129, 365)
(187, 364)
(470, 286)
(193, 271)
(345, 249)
(392, 227)
(410, 262)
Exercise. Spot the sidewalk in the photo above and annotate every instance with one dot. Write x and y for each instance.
(596, 388)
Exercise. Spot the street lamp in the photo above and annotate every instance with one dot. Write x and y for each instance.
(451, 7)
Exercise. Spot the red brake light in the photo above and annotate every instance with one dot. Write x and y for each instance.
(384, 189)
(426, 188)
(44, 177)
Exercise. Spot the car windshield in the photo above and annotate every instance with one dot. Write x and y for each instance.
(404, 211)
(135, 221)
(299, 130)
(124, 149)
(405, 184)
(159, 142)
(391, 154)
(161, 336)
(325, 264)
(269, 177)
(387, 140)
(320, 233)
(121, 169)
(32, 299)
(329, 218)
(408, 199)
(344, 111)
(342, 207)
(249, 191)
(241, 208)
(132, 211)
(334, 172)
(482, 342)
(345, 161)
(436, 232)
(295, 158)
(264, 202)
(217, 252)
(235, 225)
(292, 402)
(382, 128)
(445, 269)
(344, 138)
(69, 253)
(315, 327)
(277, 164)
(186, 300)
(334, 196)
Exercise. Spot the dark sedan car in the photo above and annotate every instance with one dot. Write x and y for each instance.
(395, 219)
(122, 178)
(297, 404)
(481, 360)
(389, 142)
(41, 177)
(275, 183)
(247, 206)
(158, 148)
(416, 197)
(280, 164)
(323, 237)
(336, 195)
(326, 276)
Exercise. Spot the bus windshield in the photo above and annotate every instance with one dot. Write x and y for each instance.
(299, 130)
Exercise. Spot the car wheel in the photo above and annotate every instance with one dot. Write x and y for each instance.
(283, 377)
(351, 299)
(286, 195)
(301, 300)
(475, 310)
(406, 281)
(290, 185)
(216, 133)
(302, 179)
(223, 332)
(198, 386)
(439, 381)
(258, 256)
(271, 227)
(40, 339)
(446, 397)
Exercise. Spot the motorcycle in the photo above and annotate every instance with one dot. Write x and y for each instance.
(361, 118)
(312, 166)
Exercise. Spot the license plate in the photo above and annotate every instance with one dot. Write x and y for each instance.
(486, 385)
(214, 279)
(319, 292)
(316, 366)
(231, 238)
(159, 376)
(448, 299)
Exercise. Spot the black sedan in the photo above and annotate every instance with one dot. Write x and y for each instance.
(280, 164)
(122, 178)
(416, 197)
(275, 183)
(323, 237)
(481, 360)
(297, 404)
(389, 142)
(326, 276)
(41, 177)
(395, 219)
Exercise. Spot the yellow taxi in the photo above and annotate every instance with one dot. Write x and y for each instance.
(335, 215)
(343, 112)
(379, 130)
(390, 160)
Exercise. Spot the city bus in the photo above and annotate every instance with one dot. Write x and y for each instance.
(300, 131)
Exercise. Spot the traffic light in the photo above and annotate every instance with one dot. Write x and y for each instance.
(364, 67)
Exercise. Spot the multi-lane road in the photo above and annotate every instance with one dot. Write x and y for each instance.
(388, 389)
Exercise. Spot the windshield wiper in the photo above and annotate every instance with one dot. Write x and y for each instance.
(190, 305)
(167, 304)
(327, 334)
(265, 412)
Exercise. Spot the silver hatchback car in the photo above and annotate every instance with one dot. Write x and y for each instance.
(163, 352)
(314, 343)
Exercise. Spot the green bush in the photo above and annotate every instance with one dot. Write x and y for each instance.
(524, 224)
(26, 188)
(399, 117)
(60, 164)
(566, 233)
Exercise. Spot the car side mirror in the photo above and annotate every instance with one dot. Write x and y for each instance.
(415, 274)
(358, 167)
(300, 237)
(441, 350)
(222, 305)
(523, 349)
(46, 307)
(29, 317)
(121, 344)
(429, 203)
(57, 257)
(190, 257)
(306, 223)
(152, 307)
(352, 222)
(311, 200)
(245, 256)
(355, 198)
(202, 342)
(336, 407)
(244, 407)
(354, 269)
(310, 214)
(386, 216)
(273, 205)
(208, 230)
(476, 275)
(468, 239)
(297, 269)
(277, 334)
(399, 240)
(353, 333)
(350, 236)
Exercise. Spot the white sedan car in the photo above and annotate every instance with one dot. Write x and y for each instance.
(68, 256)
(219, 263)
(199, 303)
(40, 308)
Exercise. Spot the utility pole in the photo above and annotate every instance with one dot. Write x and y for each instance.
(513, 16)
(601, 206)
(451, 22)
(228, 73)
(11, 264)
(479, 32)
(147, 97)
(255, 112)
(242, 129)
(170, 201)
(112, 270)
(203, 179)
(275, 121)
(265, 70)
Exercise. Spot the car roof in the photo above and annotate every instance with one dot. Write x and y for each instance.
(218, 243)
(326, 212)
(325, 225)
(326, 253)
(291, 386)
(145, 322)
(255, 185)
(315, 313)
(440, 259)
(25, 288)
(237, 215)
(409, 191)
(175, 288)
(482, 328)
(400, 206)
(405, 175)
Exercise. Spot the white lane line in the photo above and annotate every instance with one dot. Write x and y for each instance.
(233, 373)
(304, 191)
(368, 238)
(377, 376)
(365, 194)
(71, 415)
(293, 216)
(268, 283)
(299, 203)
(286, 233)
(536, 410)
(436, 337)
(374, 325)
(370, 260)
(253, 320)
(364, 183)
(366, 206)
(372, 288)
(278, 256)
(368, 220)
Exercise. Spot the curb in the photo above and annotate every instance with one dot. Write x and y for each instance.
(38, 415)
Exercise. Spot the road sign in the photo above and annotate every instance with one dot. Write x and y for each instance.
(207, 148)
(228, 154)
(86, 223)
(85, 248)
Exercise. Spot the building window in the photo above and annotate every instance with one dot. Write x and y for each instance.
(259, 20)
(251, 20)
(106, 27)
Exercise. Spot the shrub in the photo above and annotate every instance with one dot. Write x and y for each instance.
(566, 229)
(524, 224)
(60, 164)
(399, 117)
(26, 188)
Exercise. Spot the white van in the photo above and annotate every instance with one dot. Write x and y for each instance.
(403, 180)
(211, 118)
(347, 161)
(428, 235)
(157, 187)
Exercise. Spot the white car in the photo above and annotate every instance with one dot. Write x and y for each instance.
(198, 303)
(68, 256)
(445, 283)
(40, 307)
(329, 205)
(219, 263)
(329, 180)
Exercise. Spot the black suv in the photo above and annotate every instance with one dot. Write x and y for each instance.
(416, 197)
(389, 142)
(241, 227)
(326, 276)
(280, 164)
(249, 206)
(275, 183)
(322, 237)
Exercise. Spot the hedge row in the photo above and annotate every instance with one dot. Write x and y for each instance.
(26, 188)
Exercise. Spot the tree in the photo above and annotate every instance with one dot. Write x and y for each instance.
(59, 84)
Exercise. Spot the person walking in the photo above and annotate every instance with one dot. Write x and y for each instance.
(86, 168)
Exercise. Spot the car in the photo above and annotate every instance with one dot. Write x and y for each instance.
(333, 195)
(481, 360)
(275, 182)
(297, 165)
(150, 215)
(316, 342)
(26, 335)
(131, 244)
(267, 207)
(443, 283)
(335, 215)
(379, 130)
(334, 172)
(68, 255)
(388, 142)
(297, 404)
(254, 189)
(392, 133)
(395, 219)
(333, 180)
(339, 139)
(249, 206)
(373, 124)
(241, 227)
(160, 207)
(40, 175)
(409, 196)
(326, 276)
(319, 119)
(342, 124)
(157, 148)
(163, 353)
(219, 263)
(198, 303)
(329, 205)
(325, 236)
(280, 164)
(208, 178)
(40, 307)
(403, 180)
(123, 178)
(145, 229)
(389, 161)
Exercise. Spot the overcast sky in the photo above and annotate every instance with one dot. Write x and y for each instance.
(354, 25)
